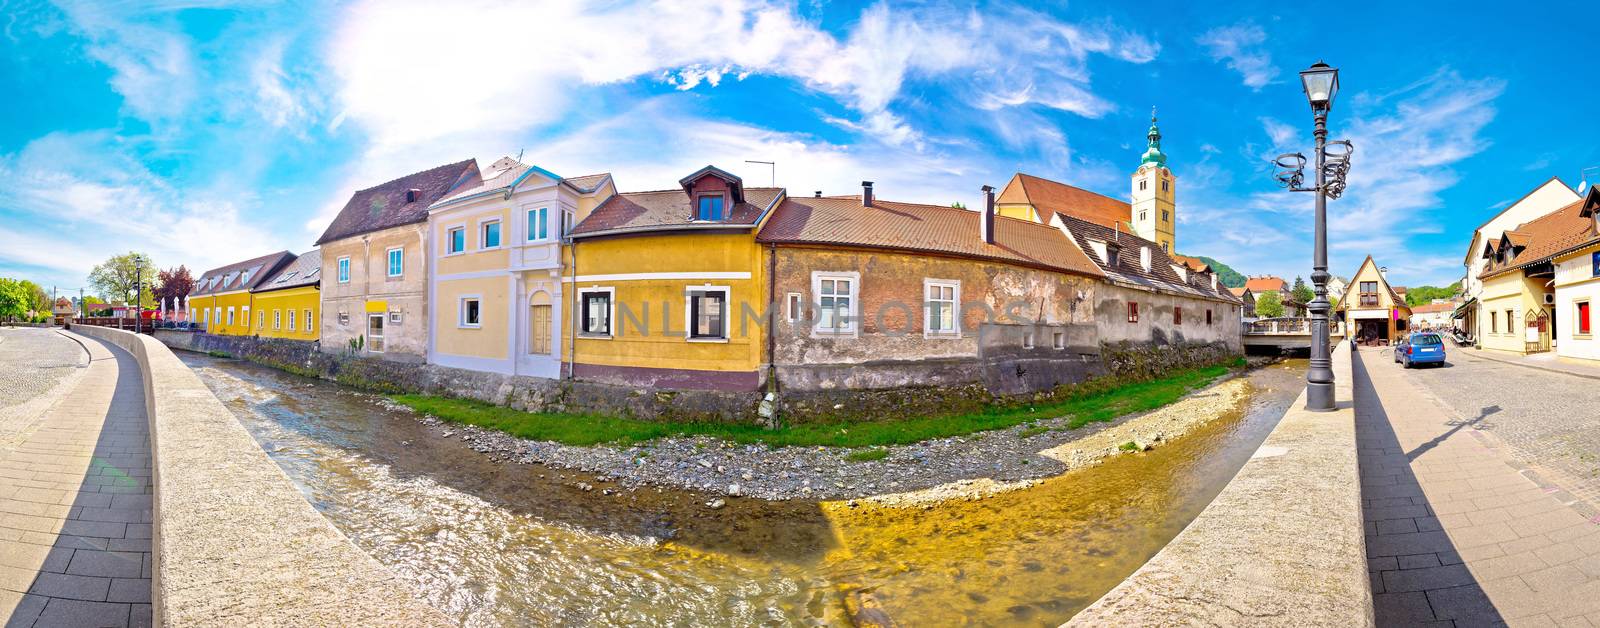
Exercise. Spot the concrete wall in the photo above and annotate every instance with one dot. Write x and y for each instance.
(1158, 323)
(235, 541)
(1283, 543)
(371, 290)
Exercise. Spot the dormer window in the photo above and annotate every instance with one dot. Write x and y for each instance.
(710, 208)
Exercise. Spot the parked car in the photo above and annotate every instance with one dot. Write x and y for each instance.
(1420, 348)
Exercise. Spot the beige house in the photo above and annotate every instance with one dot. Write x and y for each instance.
(1373, 312)
(375, 265)
(494, 270)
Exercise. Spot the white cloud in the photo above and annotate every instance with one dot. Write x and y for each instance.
(154, 68)
(72, 200)
(404, 78)
(1240, 45)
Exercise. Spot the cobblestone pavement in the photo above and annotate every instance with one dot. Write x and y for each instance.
(75, 502)
(32, 361)
(1459, 533)
(1551, 421)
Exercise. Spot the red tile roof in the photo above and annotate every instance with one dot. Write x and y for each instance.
(384, 205)
(639, 211)
(1052, 197)
(1268, 283)
(1434, 307)
(1193, 263)
(841, 220)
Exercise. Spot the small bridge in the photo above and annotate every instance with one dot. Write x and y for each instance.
(1285, 333)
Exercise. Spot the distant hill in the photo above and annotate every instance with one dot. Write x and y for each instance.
(1423, 295)
(1229, 277)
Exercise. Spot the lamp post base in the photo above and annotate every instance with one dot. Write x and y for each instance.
(1319, 397)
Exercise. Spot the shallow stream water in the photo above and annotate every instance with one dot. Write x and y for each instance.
(499, 543)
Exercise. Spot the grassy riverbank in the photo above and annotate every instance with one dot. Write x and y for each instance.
(1090, 403)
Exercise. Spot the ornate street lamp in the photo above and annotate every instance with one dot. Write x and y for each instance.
(1321, 85)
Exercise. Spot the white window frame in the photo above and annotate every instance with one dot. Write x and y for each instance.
(688, 309)
(217, 318)
(291, 319)
(244, 317)
(343, 266)
(309, 327)
(230, 316)
(796, 305)
(544, 222)
(367, 331)
(854, 329)
(389, 259)
(483, 225)
(1027, 339)
(344, 319)
(449, 229)
(611, 313)
(461, 311)
(566, 222)
(395, 316)
(1058, 340)
(277, 320)
(927, 308)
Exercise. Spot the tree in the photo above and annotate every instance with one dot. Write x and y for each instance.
(1269, 305)
(90, 306)
(14, 299)
(1423, 295)
(174, 284)
(116, 281)
(1301, 291)
(958, 205)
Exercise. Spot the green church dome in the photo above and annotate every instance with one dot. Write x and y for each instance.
(1153, 155)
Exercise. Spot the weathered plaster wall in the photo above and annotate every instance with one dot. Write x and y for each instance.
(1000, 305)
(371, 289)
(1156, 324)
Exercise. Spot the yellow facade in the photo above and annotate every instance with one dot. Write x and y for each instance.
(1376, 313)
(649, 277)
(1018, 211)
(289, 313)
(1510, 308)
(214, 311)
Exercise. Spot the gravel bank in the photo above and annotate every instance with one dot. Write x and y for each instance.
(935, 470)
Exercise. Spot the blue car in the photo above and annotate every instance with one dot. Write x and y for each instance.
(1420, 348)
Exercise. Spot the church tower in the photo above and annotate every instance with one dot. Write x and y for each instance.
(1154, 212)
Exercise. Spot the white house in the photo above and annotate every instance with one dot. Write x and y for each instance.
(1547, 197)
(1577, 284)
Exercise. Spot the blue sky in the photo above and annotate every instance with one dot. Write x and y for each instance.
(205, 132)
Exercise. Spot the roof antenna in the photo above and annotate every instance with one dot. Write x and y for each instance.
(1583, 177)
(519, 154)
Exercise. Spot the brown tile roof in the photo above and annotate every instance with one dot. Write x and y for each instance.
(841, 220)
(508, 173)
(588, 182)
(305, 270)
(1126, 267)
(243, 275)
(1264, 284)
(642, 211)
(1051, 197)
(1550, 235)
(1239, 292)
(383, 206)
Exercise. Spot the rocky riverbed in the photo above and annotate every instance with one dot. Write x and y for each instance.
(964, 467)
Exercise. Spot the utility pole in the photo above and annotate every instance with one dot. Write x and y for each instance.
(774, 167)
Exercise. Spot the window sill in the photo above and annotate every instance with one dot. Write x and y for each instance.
(399, 276)
(833, 334)
(466, 326)
(490, 248)
(455, 254)
(707, 340)
(941, 335)
(595, 336)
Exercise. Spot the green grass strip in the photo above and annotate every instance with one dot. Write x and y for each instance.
(1099, 404)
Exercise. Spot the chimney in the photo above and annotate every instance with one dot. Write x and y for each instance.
(412, 194)
(866, 194)
(986, 221)
(819, 194)
(1383, 271)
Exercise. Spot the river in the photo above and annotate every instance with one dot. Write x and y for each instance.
(503, 544)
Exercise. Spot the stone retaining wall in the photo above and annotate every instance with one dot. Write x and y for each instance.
(235, 542)
(1282, 544)
(1125, 361)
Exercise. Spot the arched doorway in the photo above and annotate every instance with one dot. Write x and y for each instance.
(540, 322)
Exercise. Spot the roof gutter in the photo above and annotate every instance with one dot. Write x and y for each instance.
(687, 227)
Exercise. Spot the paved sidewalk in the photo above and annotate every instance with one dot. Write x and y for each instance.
(75, 504)
(1547, 361)
(1456, 534)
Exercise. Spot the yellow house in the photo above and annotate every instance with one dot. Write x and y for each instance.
(221, 300)
(494, 275)
(287, 303)
(1373, 313)
(1518, 307)
(670, 287)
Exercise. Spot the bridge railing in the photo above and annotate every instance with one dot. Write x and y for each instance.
(1285, 326)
